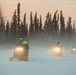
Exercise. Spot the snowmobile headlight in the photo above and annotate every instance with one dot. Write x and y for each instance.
(57, 49)
(19, 49)
(73, 49)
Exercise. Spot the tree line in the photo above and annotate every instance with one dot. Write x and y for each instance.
(54, 28)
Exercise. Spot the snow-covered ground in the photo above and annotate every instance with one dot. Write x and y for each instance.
(40, 62)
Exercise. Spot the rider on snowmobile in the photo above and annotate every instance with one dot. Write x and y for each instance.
(22, 41)
(58, 44)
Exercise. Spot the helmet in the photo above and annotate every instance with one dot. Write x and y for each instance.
(21, 38)
(58, 42)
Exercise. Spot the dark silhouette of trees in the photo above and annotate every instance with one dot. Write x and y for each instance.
(14, 24)
(36, 23)
(24, 28)
(69, 29)
(74, 32)
(40, 26)
(55, 24)
(18, 18)
(7, 29)
(74, 27)
(2, 24)
(53, 27)
(62, 25)
(31, 27)
(47, 25)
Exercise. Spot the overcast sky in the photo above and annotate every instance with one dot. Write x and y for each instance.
(40, 6)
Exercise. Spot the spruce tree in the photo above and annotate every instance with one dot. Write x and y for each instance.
(40, 26)
(55, 24)
(62, 24)
(2, 24)
(36, 23)
(31, 27)
(14, 24)
(69, 28)
(7, 29)
(24, 28)
(18, 18)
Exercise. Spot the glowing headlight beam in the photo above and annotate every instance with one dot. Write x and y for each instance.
(57, 49)
(19, 48)
(73, 49)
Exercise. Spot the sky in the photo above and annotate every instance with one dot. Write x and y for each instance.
(42, 7)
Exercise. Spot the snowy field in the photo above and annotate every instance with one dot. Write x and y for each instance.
(40, 62)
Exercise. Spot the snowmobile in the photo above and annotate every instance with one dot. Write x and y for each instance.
(57, 51)
(20, 53)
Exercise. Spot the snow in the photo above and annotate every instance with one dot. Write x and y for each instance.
(40, 62)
